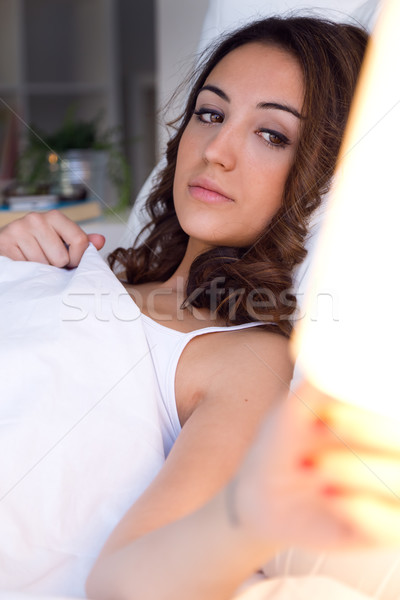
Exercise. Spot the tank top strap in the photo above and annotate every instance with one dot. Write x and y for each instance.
(166, 346)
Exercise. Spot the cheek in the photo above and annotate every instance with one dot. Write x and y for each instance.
(186, 144)
(185, 151)
(179, 167)
(269, 185)
(179, 188)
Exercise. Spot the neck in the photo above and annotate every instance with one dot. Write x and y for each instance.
(179, 279)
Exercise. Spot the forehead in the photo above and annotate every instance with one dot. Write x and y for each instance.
(260, 69)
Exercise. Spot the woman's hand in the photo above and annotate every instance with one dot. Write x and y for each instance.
(322, 475)
(48, 238)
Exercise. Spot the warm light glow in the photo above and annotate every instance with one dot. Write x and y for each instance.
(52, 158)
(350, 350)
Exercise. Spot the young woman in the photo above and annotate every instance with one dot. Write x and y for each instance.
(252, 155)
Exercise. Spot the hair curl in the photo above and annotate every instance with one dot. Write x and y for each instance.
(330, 55)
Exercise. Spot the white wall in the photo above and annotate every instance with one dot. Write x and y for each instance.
(178, 28)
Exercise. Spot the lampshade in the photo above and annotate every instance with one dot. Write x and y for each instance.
(346, 344)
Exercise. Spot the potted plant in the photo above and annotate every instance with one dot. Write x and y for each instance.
(74, 161)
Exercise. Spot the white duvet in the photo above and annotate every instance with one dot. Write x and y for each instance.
(79, 433)
(80, 440)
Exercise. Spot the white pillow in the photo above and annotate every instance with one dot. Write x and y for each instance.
(79, 432)
(224, 15)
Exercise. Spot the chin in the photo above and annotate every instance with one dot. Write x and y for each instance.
(203, 237)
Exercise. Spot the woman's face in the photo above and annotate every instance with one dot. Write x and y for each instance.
(236, 151)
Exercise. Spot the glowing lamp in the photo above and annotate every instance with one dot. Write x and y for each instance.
(350, 351)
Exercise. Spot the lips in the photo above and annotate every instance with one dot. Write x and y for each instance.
(207, 191)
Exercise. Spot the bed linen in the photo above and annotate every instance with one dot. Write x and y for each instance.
(312, 587)
(290, 588)
(79, 431)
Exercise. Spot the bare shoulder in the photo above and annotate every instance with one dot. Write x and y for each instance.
(252, 349)
(253, 358)
(243, 367)
(260, 340)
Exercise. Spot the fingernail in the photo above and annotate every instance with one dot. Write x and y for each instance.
(331, 491)
(307, 463)
(321, 422)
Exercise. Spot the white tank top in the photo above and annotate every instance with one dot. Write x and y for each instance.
(166, 346)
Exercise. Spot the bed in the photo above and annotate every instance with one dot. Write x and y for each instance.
(66, 306)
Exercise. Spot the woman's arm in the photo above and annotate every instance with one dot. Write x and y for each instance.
(172, 543)
(201, 556)
(48, 238)
(320, 475)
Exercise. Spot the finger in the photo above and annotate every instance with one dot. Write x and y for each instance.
(349, 470)
(376, 519)
(36, 237)
(363, 427)
(31, 250)
(349, 423)
(12, 252)
(74, 240)
(18, 240)
(76, 249)
(97, 240)
(52, 246)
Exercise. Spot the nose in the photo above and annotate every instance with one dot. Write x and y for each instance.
(221, 148)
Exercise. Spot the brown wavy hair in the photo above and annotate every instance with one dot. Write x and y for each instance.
(330, 55)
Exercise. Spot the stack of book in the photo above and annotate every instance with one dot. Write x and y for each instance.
(18, 206)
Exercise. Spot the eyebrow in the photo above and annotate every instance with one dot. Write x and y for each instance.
(279, 106)
(268, 105)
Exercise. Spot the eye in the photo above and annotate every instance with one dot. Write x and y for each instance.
(206, 115)
(273, 138)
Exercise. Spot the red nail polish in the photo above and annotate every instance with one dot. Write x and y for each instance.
(320, 423)
(331, 491)
(307, 462)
